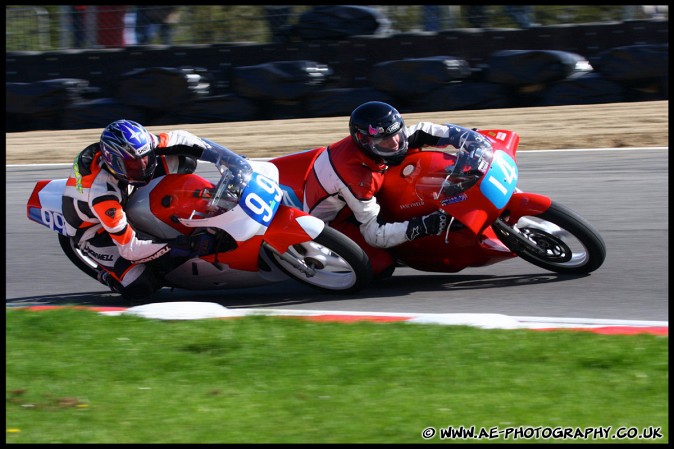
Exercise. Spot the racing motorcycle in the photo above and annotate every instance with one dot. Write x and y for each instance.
(490, 218)
(259, 240)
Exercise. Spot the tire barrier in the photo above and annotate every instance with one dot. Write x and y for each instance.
(223, 82)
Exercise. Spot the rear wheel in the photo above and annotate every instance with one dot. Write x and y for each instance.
(78, 258)
(558, 240)
(331, 262)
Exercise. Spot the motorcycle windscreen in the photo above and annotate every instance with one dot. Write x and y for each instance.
(470, 190)
(255, 210)
(482, 198)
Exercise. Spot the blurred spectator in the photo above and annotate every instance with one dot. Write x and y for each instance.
(278, 17)
(476, 16)
(78, 15)
(153, 19)
(130, 27)
(655, 11)
(521, 14)
(110, 25)
(431, 17)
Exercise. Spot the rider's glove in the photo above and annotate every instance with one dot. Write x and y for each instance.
(181, 137)
(192, 245)
(431, 224)
(473, 147)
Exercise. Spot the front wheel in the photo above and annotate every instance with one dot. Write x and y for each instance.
(78, 258)
(331, 262)
(558, 240)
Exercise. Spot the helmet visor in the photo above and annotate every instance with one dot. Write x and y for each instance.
(390, 145)
(141, 169)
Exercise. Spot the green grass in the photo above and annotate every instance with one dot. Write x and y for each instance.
(75, 376)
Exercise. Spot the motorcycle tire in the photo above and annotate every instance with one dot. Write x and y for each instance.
(81, 261)
(559, 240)
(339, 264)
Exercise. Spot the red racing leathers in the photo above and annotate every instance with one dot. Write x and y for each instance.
(342, 185)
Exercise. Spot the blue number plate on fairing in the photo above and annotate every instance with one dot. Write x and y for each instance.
(52, 219)
(261, 199)
(500, 181)
(50, 213)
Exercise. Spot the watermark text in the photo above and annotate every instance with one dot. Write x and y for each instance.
(542, 433)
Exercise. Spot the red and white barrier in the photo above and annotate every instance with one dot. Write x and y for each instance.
(188, 310)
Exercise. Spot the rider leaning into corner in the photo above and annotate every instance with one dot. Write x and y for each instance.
(104, 175)
(341, 188)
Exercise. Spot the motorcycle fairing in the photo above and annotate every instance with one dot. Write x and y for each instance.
(44, 205)
(500, 180)
(293, 171)
(505, 139)
(261, 199)
(290, 198)
(526, 203)
(289, 225)
(154, 208)
(252, 215)
(204, 274)
(243, 267)
(410, 189)
(453, 252)
(413, 189)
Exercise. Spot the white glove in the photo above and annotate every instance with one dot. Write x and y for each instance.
(180, 137)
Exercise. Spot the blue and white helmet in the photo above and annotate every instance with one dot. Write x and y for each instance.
(128, 151)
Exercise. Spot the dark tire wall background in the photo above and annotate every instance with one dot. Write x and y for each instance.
(417, 72)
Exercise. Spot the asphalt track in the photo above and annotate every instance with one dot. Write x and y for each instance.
(622, 192)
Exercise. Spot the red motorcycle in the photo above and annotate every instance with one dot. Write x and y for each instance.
(491, 219)
(260, 240)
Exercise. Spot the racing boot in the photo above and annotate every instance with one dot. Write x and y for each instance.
(105, 278)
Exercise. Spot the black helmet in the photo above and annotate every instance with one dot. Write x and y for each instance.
(128, 151)
(374, 126)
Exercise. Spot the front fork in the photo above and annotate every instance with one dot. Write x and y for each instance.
(298, 264)
(514, 239)
(520, 204)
